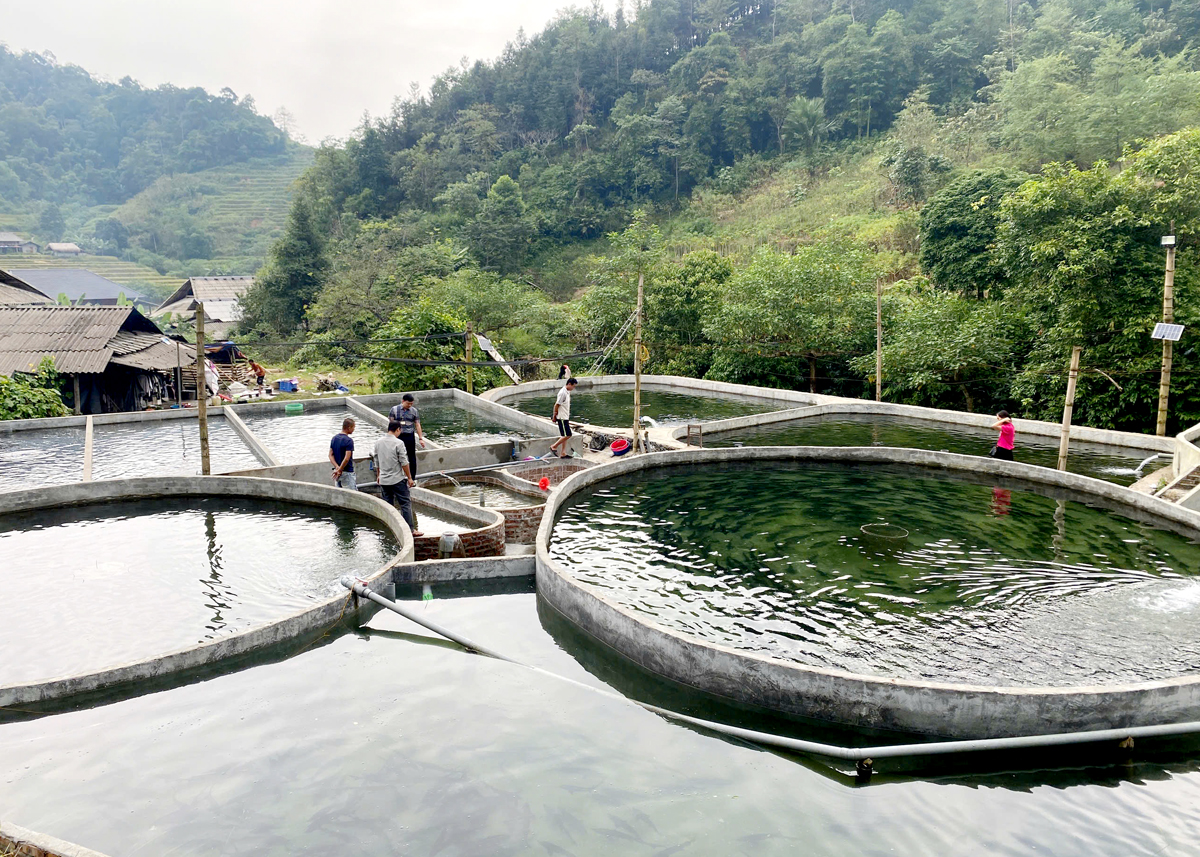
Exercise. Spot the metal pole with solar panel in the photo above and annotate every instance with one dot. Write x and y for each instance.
(1167, 331)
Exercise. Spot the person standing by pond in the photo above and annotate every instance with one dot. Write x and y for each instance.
(341, 456)
(393, 474)
(1004, 444)
(409, 417)
(562, 418)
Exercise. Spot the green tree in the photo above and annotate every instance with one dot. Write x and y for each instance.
(291, 280)
(958, 229)
(501, 233)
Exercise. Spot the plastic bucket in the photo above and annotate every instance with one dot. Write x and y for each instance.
(294, 408)
(620, 446)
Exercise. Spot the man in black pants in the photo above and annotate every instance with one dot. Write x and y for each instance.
(406, 413)
(392, 473)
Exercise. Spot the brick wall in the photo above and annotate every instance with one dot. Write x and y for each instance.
(520, 523)
(486, 541)
(555, 471)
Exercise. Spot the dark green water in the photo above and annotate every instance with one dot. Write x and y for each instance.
(390, 742)
(614, 408)
(1111, 463)
(451, 425)
(991, 586)
(102, 585)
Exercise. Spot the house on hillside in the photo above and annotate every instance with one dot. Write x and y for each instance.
(76, 285)
(220, 296)
(116, 358)
(14, 292)
(11, 243)
(63, 248)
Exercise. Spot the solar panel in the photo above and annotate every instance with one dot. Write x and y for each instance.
(1167, 331)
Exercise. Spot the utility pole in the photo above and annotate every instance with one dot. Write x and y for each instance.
(879, 340)
(638, 446)
(1164, 384)
(1065, 441)
(470, 372)
(202, 391)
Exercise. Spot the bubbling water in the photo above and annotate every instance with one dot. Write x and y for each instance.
(991, 585)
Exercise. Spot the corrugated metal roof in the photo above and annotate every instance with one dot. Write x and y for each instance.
(16, 295)
(220, 288)
(78, 337)
(75, 283)
(11, 238)
(161, 355)
(223, 311)
(64, 247)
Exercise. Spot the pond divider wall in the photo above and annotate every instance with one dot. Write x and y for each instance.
(20, 842)
(301, 623)
(520, 522)
(909, 706)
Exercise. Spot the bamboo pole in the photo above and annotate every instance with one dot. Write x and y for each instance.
(178, 373)
(202, 391)
(1164, 384)
(470, 372)
(638, 446)
(879, 340)
(1069, 406)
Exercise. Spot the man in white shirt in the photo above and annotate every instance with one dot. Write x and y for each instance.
(562, 418)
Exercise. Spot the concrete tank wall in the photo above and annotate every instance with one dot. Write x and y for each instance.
(936, 709)
(307, 621)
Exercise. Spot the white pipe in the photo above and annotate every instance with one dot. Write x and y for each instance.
(833, 751)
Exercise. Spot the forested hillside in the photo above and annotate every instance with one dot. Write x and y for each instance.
(74, 148)
(788, 156)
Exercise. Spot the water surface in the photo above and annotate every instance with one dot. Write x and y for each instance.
(167, 447)
(38, 457)
(303, 438)
(992, 585)
(486, 494)
(130, 580)
(614, 408)
(1111, 463)
(389, 742)
(451, 425)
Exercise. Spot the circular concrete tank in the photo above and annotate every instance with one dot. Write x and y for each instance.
(934, 708)
(319, 612)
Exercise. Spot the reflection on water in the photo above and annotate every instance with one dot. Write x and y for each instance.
(1111, 463)
(614, 408)
(146, 577)
(488, 495)
(992, 588)
(390, 742)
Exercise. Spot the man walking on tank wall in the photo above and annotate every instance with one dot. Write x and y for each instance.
(409, 417)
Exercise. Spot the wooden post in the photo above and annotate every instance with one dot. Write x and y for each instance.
(879, 340)
(178, 373)
(1068, 406)
(638, 446)
(88, 445)
(470, 373)
(202, 391)
(1164, 384)
(75, 385)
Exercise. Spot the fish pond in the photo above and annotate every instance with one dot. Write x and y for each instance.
(109, 583)
(891, 572)
(1111, 463)
(614, 408)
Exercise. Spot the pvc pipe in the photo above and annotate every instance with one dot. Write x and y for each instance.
(833, 751)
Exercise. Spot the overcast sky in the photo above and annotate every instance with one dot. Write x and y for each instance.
(326, 61)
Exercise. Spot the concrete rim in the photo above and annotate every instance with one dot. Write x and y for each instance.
(271, 633)
(933, 708)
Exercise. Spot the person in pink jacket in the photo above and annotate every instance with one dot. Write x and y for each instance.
(1004, 444)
